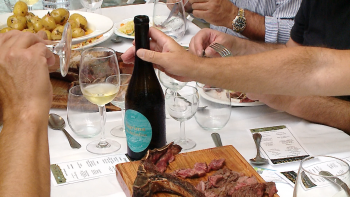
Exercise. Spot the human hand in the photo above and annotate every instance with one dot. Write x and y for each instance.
(42, 34)
(24, 79)
(167, 55)
(205, 37)
(216, 12)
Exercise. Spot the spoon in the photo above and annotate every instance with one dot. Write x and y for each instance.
(258, 160)
(117, 39)
(56, 122)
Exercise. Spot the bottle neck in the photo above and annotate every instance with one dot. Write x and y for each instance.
(141, 42)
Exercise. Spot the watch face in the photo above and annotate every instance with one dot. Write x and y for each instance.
(239, 24)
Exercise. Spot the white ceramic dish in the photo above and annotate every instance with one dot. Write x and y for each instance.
(98, 23)
(215, 97)
(96, 42)
(121, 34)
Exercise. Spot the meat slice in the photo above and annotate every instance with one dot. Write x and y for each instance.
(254, 190)
(161, 157)
(150, 181)
(271, 189)
(216, 164)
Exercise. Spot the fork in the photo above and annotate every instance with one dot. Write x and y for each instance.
(223, 51)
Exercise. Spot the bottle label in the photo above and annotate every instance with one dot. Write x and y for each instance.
(138, 130)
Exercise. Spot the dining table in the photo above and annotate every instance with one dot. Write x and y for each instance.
(317, 139)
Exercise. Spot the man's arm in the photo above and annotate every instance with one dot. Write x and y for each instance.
(323, 110)
(24, 155)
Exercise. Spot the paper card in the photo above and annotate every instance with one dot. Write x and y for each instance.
(270, 175)
(280, 145)
(86, 169)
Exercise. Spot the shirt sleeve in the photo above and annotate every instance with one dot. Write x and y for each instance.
(278, 26)
(297, 32)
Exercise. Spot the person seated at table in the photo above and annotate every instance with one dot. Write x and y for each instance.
(266, 20)
(309, 30)
(297, 71)
(25, 101)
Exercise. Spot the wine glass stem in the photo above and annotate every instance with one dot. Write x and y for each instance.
(30, 8)
(103, 143)
(123, 114)
(182, 131)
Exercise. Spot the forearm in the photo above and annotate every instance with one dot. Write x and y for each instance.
(323, 110)
(255, 28)
(247, 47)
(24, 156)
(290, 71)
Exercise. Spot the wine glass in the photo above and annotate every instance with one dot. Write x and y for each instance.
(170, 82)
(119, 101)
(99, 80)
(322, 176)
(63, 49)
(169, 17)
(215, 107)
(30, 3)
(92, 5)
(182, 106)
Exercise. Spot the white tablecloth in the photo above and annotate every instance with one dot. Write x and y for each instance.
(317, 139)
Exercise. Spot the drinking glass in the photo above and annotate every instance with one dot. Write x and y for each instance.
(322, 176)
(119, 101)
(169, 17)
(11, 3)
(99, 80)
(54, 4)
(92, 5)
(83, 116)
(170, 82)
(214, 110)
(182, 106)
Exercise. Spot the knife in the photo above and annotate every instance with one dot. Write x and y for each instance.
(330, 177)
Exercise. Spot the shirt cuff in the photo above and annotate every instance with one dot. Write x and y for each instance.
(277, 30)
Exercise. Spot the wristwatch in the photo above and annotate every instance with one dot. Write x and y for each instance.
(240, 22)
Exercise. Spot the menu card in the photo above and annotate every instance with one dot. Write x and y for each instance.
(280, 145)
(86, 169)
(309, 182)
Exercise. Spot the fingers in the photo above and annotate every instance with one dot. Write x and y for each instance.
(129, 55)
(152, 56)
(43, 51)
(42, 34)
(200, 42)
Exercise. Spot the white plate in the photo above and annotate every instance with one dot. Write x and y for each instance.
(98, 23)
(234, 102)
(96, 42)
(121, 34)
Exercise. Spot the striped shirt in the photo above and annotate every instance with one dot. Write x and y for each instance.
(279, 17)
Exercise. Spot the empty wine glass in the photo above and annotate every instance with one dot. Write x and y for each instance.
(11, 3)
(119, 101)
(92, 5)
(63, 49)
(169, 17)
(182, 106)
(99, 80)
(170, 82)
(322, 176)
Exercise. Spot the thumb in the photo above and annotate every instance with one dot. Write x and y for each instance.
(150, 56)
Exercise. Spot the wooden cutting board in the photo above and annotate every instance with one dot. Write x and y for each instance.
(126, 172)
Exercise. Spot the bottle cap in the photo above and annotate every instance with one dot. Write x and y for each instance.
(139, 19)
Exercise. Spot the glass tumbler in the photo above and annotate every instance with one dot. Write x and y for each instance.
(322, 176)
(83, 116)
(214, 109)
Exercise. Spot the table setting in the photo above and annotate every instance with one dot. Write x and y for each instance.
(87, 137)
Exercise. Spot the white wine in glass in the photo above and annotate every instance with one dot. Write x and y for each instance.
(30, 3)
(99, 80)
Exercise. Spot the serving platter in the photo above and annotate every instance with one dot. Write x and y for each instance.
(93, 42)
(126, 172)
(99, 24)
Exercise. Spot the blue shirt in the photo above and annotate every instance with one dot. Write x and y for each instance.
(279, 17)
